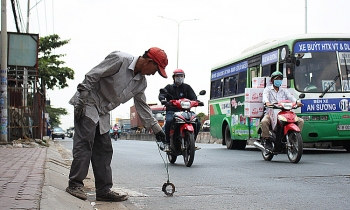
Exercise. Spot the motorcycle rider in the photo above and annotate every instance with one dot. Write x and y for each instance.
(273, 94)
(178, 90)
(116, 129)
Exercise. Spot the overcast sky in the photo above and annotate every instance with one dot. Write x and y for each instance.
(224, 29)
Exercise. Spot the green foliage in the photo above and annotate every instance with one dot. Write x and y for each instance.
(55, 114)
(49, 66)
(202, 117)
(52, 72)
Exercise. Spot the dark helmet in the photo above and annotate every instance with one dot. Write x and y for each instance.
(178, 71)
(276, 74)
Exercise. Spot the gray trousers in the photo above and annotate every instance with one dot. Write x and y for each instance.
(90, 145)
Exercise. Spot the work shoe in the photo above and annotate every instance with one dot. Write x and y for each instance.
(112, 196)
(197, 148)
(77, 192)
(166, 148)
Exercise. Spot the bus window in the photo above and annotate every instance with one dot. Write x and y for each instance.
(242, 82)
(316, 72)
(230, 85)
(345, 70)
(216, 89)
(266, 71)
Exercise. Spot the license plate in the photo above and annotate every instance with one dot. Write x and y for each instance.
(343, 127)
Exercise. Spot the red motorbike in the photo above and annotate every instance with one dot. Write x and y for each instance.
(285, 136)
(114, 135)
(182, 131)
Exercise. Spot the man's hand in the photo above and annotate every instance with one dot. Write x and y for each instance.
(299, 104)
(160, 136)
(79, 109)
(268, 104)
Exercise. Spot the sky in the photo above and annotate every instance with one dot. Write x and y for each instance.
(223, 29)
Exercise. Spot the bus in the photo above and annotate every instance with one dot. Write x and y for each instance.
(316, 71)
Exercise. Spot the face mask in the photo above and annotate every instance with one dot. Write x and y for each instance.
(179, 80)
(277, 83)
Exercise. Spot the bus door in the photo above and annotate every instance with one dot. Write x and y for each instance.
(254, 70)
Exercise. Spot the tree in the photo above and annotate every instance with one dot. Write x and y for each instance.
(51, 72)
(202, 117)
(55, 114)
(50, 68)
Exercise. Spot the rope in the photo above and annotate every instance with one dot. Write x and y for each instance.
(166, 163)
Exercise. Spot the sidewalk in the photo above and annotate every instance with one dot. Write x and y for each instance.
(35, 177)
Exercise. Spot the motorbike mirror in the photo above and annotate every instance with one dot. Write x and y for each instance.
(203, 92)
(163, 91)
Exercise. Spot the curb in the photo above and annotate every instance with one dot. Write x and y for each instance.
(54, 195)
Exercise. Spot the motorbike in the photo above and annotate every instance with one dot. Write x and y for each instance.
(114, 135)
(182, 131)
(285, 136)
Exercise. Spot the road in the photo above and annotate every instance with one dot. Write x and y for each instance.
(231, 179)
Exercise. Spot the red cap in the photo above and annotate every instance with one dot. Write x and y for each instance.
(159, 56)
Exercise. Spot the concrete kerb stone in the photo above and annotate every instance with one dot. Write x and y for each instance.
(54, 195)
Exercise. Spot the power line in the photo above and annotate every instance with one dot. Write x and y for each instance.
(15, 14)
(20, 16)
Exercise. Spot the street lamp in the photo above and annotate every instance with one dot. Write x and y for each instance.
(178, 35)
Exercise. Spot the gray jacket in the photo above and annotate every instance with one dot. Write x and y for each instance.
(111, 83)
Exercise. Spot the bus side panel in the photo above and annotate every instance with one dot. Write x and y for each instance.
(242, 127)
(230, 111)
(218, 109)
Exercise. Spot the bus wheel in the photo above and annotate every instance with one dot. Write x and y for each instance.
(346, 145)
(227, 138)
(240, 145)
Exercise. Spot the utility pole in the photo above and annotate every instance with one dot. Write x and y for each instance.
(305, 16)
(3, 74)
(25, 70)
(28, 12)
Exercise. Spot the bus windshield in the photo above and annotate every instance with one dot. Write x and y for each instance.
(316, 71)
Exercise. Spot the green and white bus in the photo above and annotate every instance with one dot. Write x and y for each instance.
(317, 70)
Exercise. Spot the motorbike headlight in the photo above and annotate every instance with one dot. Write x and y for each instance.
(287, 106)
(185, 104)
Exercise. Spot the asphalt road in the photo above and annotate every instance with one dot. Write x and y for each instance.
(230, 179)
